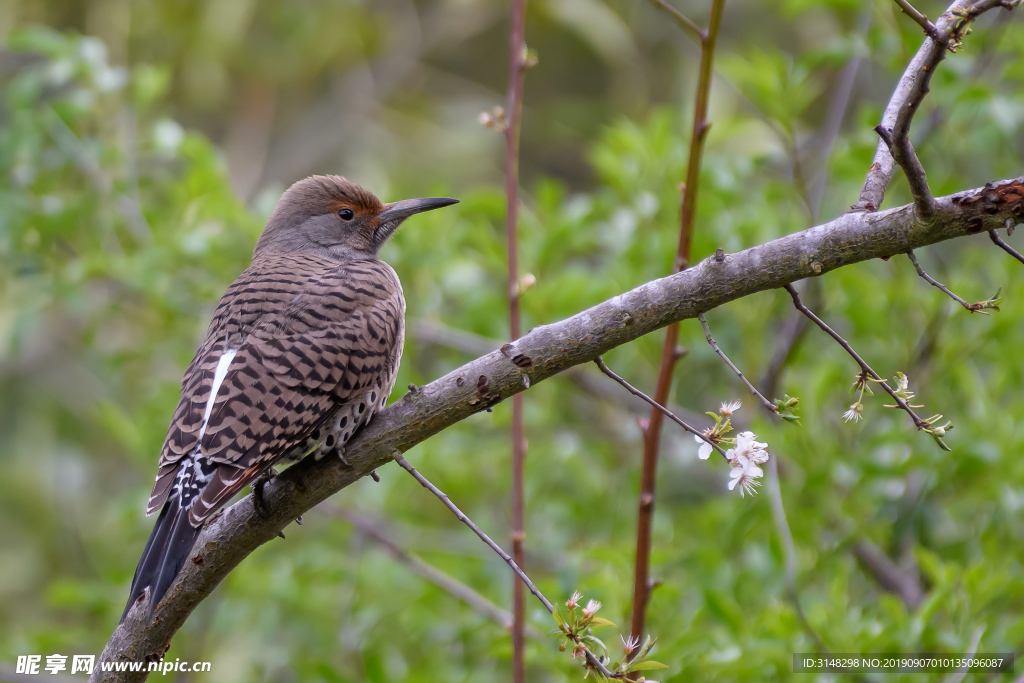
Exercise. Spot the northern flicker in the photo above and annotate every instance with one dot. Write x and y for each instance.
(302, 350)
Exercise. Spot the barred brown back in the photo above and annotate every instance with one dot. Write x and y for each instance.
(312, 337)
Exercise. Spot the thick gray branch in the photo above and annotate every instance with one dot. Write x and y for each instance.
(542, 353)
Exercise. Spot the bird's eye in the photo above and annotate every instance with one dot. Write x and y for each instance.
(346, 214)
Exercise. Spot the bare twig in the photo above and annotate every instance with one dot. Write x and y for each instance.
(973, 308)
(657, 406)
(669, 350)
(517, 70)
(694, 31)
(865, 368)
(592, 659)
(404, 464)
(769, 406)
(911, 11)
(1004, 246)
(789, 338)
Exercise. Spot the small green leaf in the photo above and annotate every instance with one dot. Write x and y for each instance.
(596, 641)
(598, 621)
(648, 666)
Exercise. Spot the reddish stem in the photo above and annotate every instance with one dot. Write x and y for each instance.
(514, 111)
(669, 352)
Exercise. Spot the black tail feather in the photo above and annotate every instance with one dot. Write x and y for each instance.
(166, 551)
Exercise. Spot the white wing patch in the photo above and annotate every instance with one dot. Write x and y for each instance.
(218, 379)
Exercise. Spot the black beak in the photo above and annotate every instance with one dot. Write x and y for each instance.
(396, 212)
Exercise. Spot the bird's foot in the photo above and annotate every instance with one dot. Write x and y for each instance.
(257, 492)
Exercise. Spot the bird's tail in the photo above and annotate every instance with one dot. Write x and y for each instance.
(166, 551)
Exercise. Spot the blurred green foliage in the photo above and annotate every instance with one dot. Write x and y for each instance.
(121, 223)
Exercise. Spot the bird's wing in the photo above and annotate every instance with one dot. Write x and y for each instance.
(331, 342)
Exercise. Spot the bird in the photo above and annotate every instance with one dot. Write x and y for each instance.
(302, 350)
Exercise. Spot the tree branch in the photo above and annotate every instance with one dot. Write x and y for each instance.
(592, 660)
(903, 104)
(865, 368)
(589, 383)
(545, 351)
(695, 32)
(657, 406)
(913, 13)
(788, 340)
(973, 308)
(998, 241)
(769, 406)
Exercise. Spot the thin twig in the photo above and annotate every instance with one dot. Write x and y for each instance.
(769, 406)
(670, 352)
(592, 659)
(514, 106)
(789, 548)
(657, 406)
(911, 11)
(789, 338)
(865, 368)
(1004, 246)
(404, 464)
(973, 308)
(682, 20)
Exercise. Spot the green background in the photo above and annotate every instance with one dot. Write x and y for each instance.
(143, 143)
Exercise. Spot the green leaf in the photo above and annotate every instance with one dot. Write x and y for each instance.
(598, 621)
(596, 641)
(648, 666)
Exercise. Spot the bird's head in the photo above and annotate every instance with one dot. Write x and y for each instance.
(331, 215)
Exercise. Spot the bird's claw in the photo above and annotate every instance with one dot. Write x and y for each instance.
(258, 503)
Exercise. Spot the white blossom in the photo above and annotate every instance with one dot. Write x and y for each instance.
(704, 452)
(745, 474)
(574, 600)
(729, 408)
(855, 413)
(591, 608)
(748, 447)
